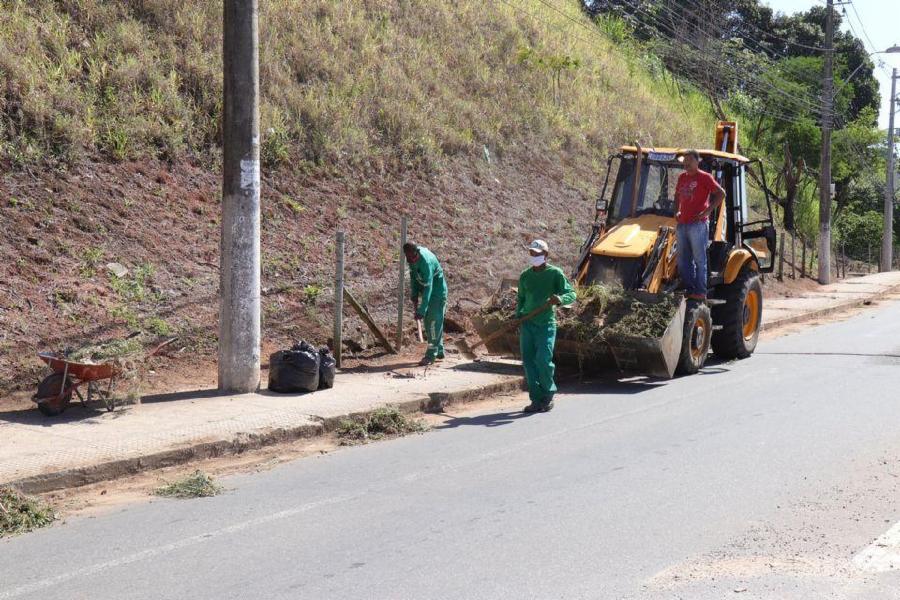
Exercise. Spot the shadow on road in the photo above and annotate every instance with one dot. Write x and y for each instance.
(488, 366)
(492, 420)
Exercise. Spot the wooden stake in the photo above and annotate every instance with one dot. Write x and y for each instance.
(793, 257)
(367, 319)
(781, 259)
(338, 297)
(803, 259)
(401, 284)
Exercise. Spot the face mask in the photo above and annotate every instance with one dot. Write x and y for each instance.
(537, 261)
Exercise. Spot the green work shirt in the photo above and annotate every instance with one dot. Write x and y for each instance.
(536, 287)
(426, 279)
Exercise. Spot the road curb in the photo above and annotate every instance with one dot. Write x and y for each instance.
(824, 312)
(242, 442)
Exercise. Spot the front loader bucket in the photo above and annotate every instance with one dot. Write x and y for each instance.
(654, 357)
(627, 355)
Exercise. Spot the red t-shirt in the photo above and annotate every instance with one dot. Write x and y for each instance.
(693, 193)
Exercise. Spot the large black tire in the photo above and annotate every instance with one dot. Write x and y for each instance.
(697, 333)
(50, 387)
(740, 316)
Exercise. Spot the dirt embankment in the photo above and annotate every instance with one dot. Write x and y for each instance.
(161, 223)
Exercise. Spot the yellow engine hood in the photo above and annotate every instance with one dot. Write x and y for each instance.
(632, 238)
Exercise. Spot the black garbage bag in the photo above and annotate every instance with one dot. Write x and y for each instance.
(294, 370)
(327, 368)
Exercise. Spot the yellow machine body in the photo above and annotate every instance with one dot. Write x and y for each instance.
(633, 237)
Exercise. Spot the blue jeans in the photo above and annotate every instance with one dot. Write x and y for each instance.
(693, 239)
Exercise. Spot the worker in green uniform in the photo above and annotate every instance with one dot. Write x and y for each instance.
(429, 297)
(540, 283)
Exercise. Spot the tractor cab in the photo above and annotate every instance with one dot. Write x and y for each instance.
(641, 205)
(633, 244)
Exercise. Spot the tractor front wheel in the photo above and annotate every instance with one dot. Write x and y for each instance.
(740, 316)
(697, 333)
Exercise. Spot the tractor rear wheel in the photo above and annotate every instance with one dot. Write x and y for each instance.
(740, 316)
(697, 334)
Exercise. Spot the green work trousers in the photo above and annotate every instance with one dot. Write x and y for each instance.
(536, 341)
(434, 326)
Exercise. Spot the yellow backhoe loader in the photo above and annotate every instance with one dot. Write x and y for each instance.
(632, 244)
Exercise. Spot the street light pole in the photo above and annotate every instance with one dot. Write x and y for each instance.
(239, 272)
(887, 238)
(825, 167)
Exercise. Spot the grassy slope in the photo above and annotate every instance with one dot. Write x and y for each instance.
(109, 113)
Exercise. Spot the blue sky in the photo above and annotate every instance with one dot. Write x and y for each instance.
(880, 19)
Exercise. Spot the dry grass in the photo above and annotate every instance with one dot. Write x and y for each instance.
(381, 423)
(21, 514)
(367, 82)
(196, 485)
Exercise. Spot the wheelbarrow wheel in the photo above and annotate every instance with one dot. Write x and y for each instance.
(50, 389)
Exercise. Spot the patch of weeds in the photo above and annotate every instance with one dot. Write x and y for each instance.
(157, 326)
(196, 485)
(20, 203)
(21, 514)
(116, 144)
(276, 146)
(293, 204)
(133, 287)
(384, 422)
(312, 293)
(125, 315)
(90, 259)
(341, 212)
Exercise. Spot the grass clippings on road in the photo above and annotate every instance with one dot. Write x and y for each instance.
(21, 514)
(196, 485)
(382, 423)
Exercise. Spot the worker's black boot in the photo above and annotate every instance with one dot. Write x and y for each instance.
(547, 406)
(532, 408)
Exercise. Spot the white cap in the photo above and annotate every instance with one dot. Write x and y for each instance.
(538, 246)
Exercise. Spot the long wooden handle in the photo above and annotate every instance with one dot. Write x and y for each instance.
(514, 322)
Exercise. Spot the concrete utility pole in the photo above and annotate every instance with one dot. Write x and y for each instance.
(239, 274)
(887, 238)
(825, 167)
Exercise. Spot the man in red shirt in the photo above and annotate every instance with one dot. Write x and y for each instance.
(697, 195)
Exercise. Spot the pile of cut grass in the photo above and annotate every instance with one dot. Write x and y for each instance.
(118, 349)
(600, 311)
(196, 485)
(21, 514)
(382, 423)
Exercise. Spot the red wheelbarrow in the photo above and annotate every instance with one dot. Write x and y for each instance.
(54, 393)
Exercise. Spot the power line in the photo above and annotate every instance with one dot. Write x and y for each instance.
(862, 26)
(769, 33)
(753, 85)
(812, 105)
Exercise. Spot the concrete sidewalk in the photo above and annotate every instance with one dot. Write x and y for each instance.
(82, 446)
(829, 299)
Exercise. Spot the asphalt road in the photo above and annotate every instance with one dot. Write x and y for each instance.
(757, 479)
